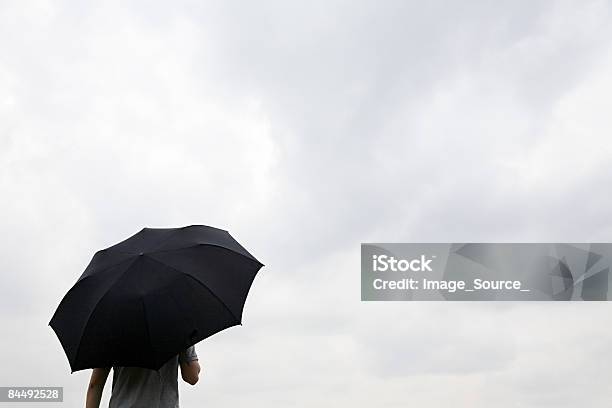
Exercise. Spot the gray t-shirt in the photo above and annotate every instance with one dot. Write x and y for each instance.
(135, 387)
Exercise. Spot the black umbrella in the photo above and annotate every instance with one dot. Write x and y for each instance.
(143, 300)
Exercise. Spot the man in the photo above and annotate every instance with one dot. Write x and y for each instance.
(135, 387)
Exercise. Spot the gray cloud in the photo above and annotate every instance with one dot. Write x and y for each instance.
(306, 129)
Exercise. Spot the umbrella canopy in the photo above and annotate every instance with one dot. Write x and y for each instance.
(142, 301)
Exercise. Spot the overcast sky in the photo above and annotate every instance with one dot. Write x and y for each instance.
(306, 128)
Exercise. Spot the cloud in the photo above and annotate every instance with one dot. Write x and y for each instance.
(306, 129)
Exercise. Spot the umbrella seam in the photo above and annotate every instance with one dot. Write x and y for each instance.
(146, 321)
(78, 349)
(111, 248)
(102, 270)
(201, 283)
(125, 240)
(251, 258)
(168, 237)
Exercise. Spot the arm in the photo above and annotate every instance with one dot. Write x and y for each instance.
(96, 386)
(190, 371)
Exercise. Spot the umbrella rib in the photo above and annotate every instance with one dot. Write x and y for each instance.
(146, 322)
(168, 237)
(112, 247)
(201, 283)
(208, 244)
(76, 354)
(104, 269)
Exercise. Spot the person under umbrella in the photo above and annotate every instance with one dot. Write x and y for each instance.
(141, 305)
(135, 387)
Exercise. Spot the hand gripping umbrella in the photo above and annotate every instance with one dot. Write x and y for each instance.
(142, 301)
